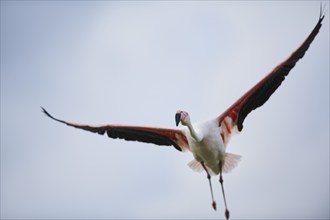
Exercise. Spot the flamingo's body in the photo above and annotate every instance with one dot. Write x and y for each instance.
(208, 140)
(208, 146)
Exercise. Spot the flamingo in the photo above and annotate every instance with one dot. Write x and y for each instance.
(207, 140)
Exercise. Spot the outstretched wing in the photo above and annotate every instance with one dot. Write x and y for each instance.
(158, 136)
(234, 116)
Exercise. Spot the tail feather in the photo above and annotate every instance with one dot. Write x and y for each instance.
(197, 167)
(231, 161)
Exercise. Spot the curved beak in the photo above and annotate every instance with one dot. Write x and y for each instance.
(177, 118)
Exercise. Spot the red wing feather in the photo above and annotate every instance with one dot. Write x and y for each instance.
(158, 136)
(234, 116)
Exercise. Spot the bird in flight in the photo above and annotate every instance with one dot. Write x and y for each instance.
(208, 140)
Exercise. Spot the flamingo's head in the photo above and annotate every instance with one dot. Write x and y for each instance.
(183, 117)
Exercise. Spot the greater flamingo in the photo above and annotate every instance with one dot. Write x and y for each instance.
(208, 140)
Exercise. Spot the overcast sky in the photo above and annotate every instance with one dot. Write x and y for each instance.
(138, 63)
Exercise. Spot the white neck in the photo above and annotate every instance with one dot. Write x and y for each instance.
(193, 133)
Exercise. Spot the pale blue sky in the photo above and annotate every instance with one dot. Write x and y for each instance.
(137, 63)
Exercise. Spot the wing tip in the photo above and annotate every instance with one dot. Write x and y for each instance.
(50, 116)
(323, 11)
(46, 113)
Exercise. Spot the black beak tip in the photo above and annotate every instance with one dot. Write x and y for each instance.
(177, 119)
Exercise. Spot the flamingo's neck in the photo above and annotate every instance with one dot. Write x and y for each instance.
(193, 133)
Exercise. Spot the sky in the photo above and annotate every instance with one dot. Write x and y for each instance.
(138, 62)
